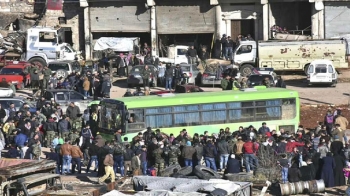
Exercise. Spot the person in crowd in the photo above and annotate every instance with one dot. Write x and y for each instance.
(327, 169)
(294, 173)
(136, 164)
(108, 163)
(209, 154)
(187, 153)
(284, 164)
(233, 165)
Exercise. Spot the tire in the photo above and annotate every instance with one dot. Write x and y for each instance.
(61, 73)
(169, 170)
(186, 171)
(246, 70)
(38, 61)
(205, 173)
(240, 177)
(306, 67)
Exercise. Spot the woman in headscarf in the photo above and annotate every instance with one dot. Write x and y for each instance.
(327, 170)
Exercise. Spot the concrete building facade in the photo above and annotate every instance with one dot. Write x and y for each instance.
(13, 13)
(201, 21)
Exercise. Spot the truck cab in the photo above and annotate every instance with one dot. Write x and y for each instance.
(44, 44)
(322, 72)
(176, 55)
(245, 56)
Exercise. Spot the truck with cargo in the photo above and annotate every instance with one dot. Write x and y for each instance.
(38, 45)
(288, 55)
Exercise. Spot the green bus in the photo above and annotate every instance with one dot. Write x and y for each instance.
(199, 112)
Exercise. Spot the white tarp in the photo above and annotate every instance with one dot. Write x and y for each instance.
(122, 44)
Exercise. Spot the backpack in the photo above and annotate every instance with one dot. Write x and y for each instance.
(118, 149)
(329, 119)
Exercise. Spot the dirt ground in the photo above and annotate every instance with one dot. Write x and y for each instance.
(310, 115)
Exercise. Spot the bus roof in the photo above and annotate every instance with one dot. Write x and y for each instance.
(207, 97)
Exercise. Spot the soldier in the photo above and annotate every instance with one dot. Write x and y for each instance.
(36, 150)
(47, 74)
(225, 82)
(73, 112)
(267, 82)
(159, 160)
(50, 128)
(78, 123)
(174, 153)
(74, 135)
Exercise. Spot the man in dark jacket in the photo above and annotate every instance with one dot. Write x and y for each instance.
(223, 152)
(187, 153)
(50, 128)
(148, 60)
(128, 155)
(210, 154)
(2, 114)
(199, 153)
(64, 127)
(72, 112)
(93, 152)
(192, 55)
(233, 165)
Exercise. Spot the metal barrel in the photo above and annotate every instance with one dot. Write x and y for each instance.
(285, 189)
(298, 187)
(313, 186)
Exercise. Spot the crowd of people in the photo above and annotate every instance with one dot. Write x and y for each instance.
(322, 153)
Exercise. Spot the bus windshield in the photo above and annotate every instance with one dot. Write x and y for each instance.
(112, 116)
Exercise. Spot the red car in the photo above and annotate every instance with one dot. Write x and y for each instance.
(14, 72)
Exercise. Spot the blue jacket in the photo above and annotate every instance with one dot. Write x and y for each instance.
(20, 139)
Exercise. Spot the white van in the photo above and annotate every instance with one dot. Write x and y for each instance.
(322, 72)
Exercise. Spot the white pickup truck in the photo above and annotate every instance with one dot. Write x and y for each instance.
(176, 55)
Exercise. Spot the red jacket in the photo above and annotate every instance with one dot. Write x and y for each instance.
(291, 145)
(249, 147)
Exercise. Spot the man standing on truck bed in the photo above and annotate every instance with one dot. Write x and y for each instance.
(47, 75)
(192, 55)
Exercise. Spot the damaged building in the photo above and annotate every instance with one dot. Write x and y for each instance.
(18, 15)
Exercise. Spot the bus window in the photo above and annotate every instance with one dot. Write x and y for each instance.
(272, 111)
(158, 117)
(111, 116)
(213, 113)
(288, 109)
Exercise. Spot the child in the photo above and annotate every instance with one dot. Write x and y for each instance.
(284, 164)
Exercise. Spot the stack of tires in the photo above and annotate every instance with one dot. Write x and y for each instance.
(198, 172)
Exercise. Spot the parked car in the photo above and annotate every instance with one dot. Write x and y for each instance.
(213, 75)
(259, 75)
(322, 72)
(64, 97)
(18, 102)
(135, 79)
(64, 67)
(15, 72)
(180, 89)
(190, 72)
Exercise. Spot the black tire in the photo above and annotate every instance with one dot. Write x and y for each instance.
(38, 61)
(306, 68)
(246, 70)
(186, 171)
(205, 173)
(240, 177)
(169, 170)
